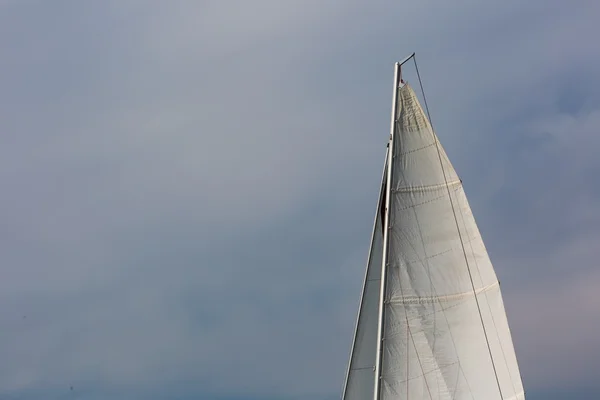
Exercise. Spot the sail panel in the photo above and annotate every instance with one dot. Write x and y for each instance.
(360, 380)
(435, 346)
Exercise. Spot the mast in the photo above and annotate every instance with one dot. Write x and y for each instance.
(384, 263)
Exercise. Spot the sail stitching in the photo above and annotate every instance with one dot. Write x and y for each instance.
(420, 317)
(433, 299)
(441, 253)
(396, 383)
(419, 149)
(444, 298)
(413, 205)
(428, 188)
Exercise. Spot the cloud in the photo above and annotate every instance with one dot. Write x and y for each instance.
(188, 190)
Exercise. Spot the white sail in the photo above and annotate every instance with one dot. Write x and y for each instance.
(444, 333)
(359, 380)
(445, 330)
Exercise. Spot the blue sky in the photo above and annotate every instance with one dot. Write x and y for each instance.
(189, 186)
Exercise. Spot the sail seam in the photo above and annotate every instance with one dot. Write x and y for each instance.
(428, 188)
(433, 299)
(396, 330)
(423, 374)
(420, 204)
(415, 150)
(441, 253)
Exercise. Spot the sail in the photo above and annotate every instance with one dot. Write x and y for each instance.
(360, 379)
(445, 333)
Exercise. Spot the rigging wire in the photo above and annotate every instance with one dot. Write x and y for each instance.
(458, 227)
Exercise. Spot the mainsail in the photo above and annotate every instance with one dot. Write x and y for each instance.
(431, 324)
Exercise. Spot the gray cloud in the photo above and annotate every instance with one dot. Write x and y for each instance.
(188, 190)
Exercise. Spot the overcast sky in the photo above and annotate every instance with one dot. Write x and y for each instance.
(188, 187)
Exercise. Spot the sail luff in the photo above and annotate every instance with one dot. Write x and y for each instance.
(384, 262)
(370, 258)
